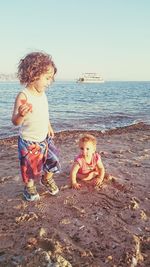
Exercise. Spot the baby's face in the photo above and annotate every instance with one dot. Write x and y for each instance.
(87, 148)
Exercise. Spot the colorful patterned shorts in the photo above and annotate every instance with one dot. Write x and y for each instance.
(36, 157)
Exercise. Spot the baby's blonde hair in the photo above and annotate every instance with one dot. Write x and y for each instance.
(88, 138)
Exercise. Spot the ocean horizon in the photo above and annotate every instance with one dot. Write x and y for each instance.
(75, 106)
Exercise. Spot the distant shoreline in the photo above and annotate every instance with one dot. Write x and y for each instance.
(74, 80)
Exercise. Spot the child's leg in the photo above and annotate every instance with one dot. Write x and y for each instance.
(48, 175)
(49, 183)
(27, 169)
(107, 177)
(51, 166)
(30, 193)
(87, 177)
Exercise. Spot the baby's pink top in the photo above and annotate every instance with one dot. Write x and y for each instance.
(85, 167)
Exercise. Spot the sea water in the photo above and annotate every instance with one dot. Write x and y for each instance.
(75, 106)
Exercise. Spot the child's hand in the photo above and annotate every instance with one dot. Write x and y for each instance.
(24, 108)
(98, 181)
(76, 186)
(51, 133)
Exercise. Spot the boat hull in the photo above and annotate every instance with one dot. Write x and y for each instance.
(90, 78)
(90, 81)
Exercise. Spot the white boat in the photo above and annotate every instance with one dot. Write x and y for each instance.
(90, 78)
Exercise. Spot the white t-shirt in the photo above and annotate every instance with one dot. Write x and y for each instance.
(35, 125)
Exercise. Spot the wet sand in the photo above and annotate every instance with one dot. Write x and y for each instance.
(107, 227)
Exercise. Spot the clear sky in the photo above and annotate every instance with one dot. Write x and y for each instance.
(111, 37)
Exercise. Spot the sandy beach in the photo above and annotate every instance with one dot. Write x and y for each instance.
(107, 227)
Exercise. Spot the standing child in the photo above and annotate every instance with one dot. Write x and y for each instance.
(36, 149)
(88, 166)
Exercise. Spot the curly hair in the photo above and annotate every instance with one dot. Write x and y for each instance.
(33, 65)
(88, 138)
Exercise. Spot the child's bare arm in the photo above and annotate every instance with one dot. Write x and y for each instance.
(101, 172)
(21, 108)
(50, 130)
(73, 176)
